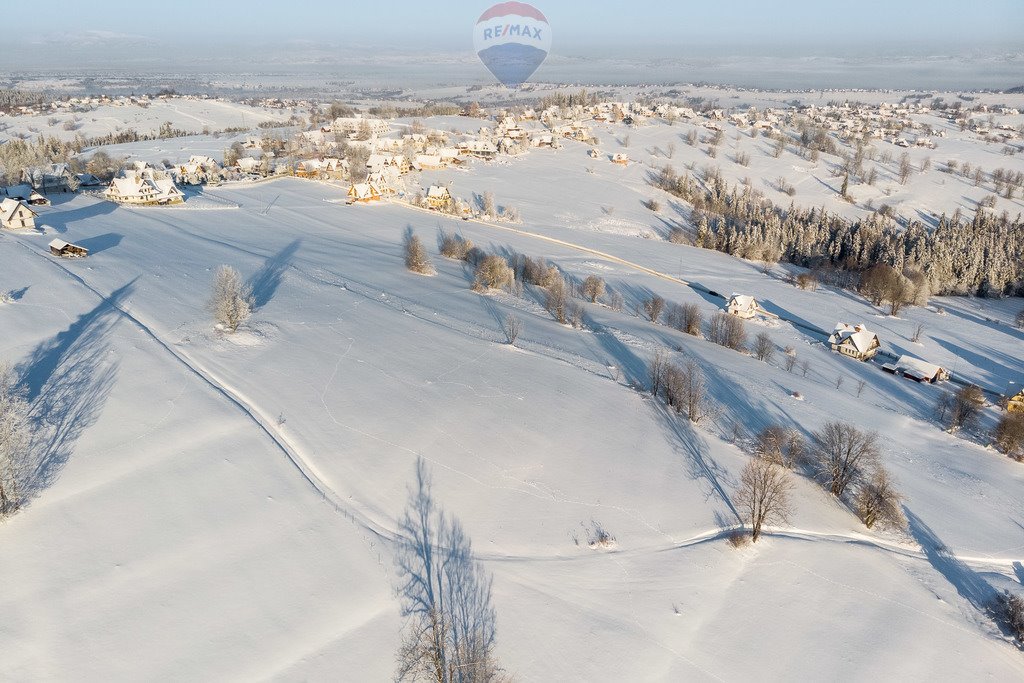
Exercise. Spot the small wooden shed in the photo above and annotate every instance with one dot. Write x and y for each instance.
(67, 250)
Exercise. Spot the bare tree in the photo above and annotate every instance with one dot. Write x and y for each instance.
(653, 306)
(490, 207)
(454, 246)
(780, 445)
(593, 288)
(1009, 435)
(1019, 320)
(685, 390)
(512, 327)
(493, 272)
(231, 301)
(656, 371)
(789, 362)
(15, 440)
(727, 330)
(882, 283)
(860, 387)
(839, 381)
(878, 502)
(763, 495)
(616, 301)
(905, 168)
(1010, 608)
(445, 593)
(574, 313)
(555, 298)
(685, 318)
(808, 281)
(537, 272)
(764, 347)
(918, 331)
(416, 258)
(843, 455)
(805, 367)
(961, 409)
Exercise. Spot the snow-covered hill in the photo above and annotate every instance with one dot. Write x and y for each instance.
(223, 506)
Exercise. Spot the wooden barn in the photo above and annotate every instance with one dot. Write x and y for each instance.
(67, 250)
(917, 370)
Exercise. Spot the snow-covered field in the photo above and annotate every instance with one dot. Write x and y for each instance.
(192, 115)
(223, 506)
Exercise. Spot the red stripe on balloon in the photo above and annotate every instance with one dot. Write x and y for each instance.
(518, 8)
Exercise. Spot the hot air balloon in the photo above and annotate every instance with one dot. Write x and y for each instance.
(512, 39)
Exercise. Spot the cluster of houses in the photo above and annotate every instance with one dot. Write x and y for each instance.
(881, 122)
(853, 341)
(141, 185)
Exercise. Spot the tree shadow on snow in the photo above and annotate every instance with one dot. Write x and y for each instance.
(67, 381)
(267, 279)
(968, 583)
(700, 466)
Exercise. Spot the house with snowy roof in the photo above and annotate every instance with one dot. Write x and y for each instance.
(741, 306)
(917, 370)
(16, 215)
(438, 196)
(144, 185)
(854, 341)
(363, 193)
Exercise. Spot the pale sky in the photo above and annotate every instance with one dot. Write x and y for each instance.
(684, 26)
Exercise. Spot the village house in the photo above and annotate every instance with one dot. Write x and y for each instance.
(917, 370)
(363, 193)
(741, 306)
(854, 341)
(248, 165)
(359, 125)
(482, 149)
(387, 181)
(143, 185)
(52, 178)
(67, 250)
(438, 197)
(620, 158)
(15, 215)
(428, 162)
(24, 193)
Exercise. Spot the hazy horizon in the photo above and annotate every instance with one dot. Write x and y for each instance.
(801, 44)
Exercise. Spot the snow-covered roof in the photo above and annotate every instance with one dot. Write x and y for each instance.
(8, 207)
(857, 335)
(438, 191)
(742, 301)
(58, 244)
(917, 367)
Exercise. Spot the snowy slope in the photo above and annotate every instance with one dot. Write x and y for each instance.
(225, 511)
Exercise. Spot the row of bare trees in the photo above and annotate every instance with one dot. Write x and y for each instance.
(841, 457)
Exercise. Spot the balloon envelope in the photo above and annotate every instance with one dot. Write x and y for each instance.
(512, 39)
